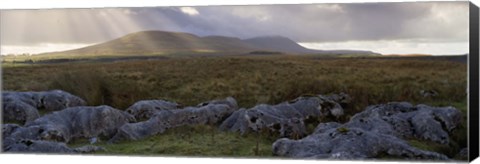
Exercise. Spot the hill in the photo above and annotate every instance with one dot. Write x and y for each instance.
(163, 42)
(159, 42)
(284, 44)
(278, 43)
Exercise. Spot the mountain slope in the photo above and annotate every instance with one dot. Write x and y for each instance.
(162, 42)
(278, 43)
(152, 42)
(284, 44)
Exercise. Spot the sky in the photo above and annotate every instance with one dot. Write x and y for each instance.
(437, 28)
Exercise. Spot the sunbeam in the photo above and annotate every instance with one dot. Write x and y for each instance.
(434, 26)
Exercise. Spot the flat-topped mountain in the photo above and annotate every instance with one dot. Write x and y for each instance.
(163, 42)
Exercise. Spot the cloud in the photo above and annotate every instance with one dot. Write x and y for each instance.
(189, 10)
(129, 12)
(421, 21)
(28, 27)
(39, 48)
(395, 46)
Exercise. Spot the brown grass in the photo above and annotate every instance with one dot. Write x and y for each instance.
(251, 80)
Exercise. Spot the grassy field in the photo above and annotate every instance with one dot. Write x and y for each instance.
(250, 80)
(199, 141)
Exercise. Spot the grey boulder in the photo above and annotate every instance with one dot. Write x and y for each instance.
(19, 112)
(8, 129)
(286, 119)
(375, 133)
(46, 100)
(74, 122)
(40, 146)
(404, 120)
(333, 142)
(147, 108)
(36, 146)
(236, 122)
(23, 107)
(208, 113)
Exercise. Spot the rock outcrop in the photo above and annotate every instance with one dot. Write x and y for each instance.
(286, 119)
(404, 120)
(208, 113)
(17, 111)
(349, 143)
(23, 107)
(74, 122)
(8, 129)
(376, 132)
(41, 146)
(145, 109)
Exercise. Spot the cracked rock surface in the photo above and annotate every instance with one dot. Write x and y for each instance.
(72, 123)
(41, 146)
(286, 119)
(351, 143)
(404, 120)
(376, 132)
(208, 113)
(23, 107)
(145, 109)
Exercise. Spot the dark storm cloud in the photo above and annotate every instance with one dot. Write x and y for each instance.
(438, 21)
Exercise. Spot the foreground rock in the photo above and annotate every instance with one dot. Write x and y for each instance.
(19, 112)
(8, 129)
(352, 143)
(145, 109)
(72, 123)
(404, 120)
(286, 118)
(22, 107)
(208, 113)
(39, 146)
(376, 132)
(462, 155)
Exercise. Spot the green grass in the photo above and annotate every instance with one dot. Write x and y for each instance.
(192, 141)
(450, 150)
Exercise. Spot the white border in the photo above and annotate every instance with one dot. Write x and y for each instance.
(72, 159)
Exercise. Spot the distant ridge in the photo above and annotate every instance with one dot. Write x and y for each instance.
(163, 42)
(278, 43)
(407, 54)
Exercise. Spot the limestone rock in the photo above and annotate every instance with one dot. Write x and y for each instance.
(8, 129)
(235, 123)
(74, 122)
(17, 111)
(40, 146)
(208, 113)
(375, 133)
(286, 119)
(349, 143)
(404, 120)
(53, 100)
(147, 108)
(22, 107)
(37, 146)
